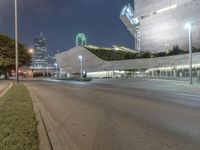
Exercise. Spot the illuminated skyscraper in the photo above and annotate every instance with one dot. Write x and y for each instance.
(41, 52)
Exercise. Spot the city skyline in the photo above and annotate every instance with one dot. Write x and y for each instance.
(61, 21)
(99, 74)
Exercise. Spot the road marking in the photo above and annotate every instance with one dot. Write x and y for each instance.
(69, 88)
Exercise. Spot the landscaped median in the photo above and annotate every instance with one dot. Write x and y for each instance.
(18, 125)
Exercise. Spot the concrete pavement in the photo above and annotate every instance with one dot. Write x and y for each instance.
(88, 116)
(156, 84)
(4, 84)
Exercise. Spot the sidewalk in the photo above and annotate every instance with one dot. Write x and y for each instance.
(3, 86)
(177, 79)
(185, 82)
(154, 84)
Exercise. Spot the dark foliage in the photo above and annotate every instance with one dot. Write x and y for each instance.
(7, 54)
(112, 55)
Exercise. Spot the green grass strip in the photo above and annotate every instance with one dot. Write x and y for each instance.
(18, 126)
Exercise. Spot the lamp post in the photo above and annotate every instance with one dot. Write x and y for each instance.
(189, 27)
(47, 71)
(81, 63)
(56, 67)
(16, 42)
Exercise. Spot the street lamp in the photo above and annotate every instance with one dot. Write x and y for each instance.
(30, 51)
(56, 67)
(47, 71)
(81, 63)
(189, 27)
(16, 42)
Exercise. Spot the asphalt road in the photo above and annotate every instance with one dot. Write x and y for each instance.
(94, 116)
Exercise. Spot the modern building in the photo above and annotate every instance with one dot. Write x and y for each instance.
(115, 48)
(81, 39)
(40, 52)
(132, 24)
(41, 58)
(51, 61)
(158, 25)
(171, 66)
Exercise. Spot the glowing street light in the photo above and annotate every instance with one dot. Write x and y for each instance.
(81, 63)
(189, 27)
(30, 51)
(56, 67)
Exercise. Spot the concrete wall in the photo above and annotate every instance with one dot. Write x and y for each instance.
(69, 62)
(161, 31)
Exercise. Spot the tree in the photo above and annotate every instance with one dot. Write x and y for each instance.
(146, 55)
(175, 50)
(7, 54)
(160, 54)
(195, 50)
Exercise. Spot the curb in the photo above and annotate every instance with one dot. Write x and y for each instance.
(6, 90)
(43, 136)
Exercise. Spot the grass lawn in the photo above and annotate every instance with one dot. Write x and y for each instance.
(18, 126)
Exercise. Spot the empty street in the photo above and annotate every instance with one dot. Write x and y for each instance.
(129, 115)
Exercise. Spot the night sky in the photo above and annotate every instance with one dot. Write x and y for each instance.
(61, 20)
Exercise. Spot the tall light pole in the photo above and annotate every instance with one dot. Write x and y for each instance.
(81, 62)
(16, 42)
(189, 27)
(56, 67)
(47, 71)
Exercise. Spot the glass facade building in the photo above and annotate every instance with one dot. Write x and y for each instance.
(40, 52)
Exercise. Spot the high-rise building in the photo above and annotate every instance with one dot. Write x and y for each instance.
(40, 52)
(161, 23)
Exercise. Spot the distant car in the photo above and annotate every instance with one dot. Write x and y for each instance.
(2, 76)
